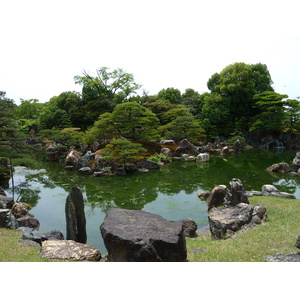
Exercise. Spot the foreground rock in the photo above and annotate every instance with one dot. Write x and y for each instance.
(69, 250)
(138, 236)
(7, 220)
(224, 222)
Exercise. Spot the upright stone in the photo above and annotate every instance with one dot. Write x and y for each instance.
(238, 192)
(75, 217)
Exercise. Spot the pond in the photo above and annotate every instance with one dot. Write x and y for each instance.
(170, 191)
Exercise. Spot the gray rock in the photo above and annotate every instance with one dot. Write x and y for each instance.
(238, 192)
(72, 158)
(69, 250)
(75, 216)
(134, 235)
(298, 242)
(167, 142)
(189, 228)
(147, 164)
(217, 196)
(203, 157)
(224, 222)
(185, 147)
(166, 151)
(19, 210)
(28, 221)
(272, 191)
(6, 202)
(7, 220)
(85, 170)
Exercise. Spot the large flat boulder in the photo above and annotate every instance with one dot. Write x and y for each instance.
(139, 236)
(70, 250)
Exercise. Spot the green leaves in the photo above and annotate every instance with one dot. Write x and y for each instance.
(122, 151)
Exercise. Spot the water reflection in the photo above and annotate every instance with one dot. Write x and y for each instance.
(170, 191)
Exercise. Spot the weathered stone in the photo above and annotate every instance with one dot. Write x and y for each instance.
(298, 242)
(75, 216)
(130, 167)
(38, 237)
(293, 257)
(184, 157)
(70, 250)
(280, 167)
(167, 142)
(224, 222)
(28, 221)
(19, 209)
(191, 158)
(72, 158)
(203, 195)
(166, 151)
(85, 170)
(203, 157)
(225, 150)
(2, 192)
(217, 196)
(189, 228)
(89, 155)
(268, 188)
(272, 191)
(134, 235)
(7, 220)
(185, 147)
(238, 192)
(147, 164)
(7, 202)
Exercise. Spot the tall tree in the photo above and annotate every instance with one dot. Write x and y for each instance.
(237, 84)
(10, 133)
(271, 114)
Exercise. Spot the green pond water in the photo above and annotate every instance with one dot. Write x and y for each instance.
(170, 191)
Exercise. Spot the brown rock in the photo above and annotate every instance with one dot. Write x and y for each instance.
(70, 250)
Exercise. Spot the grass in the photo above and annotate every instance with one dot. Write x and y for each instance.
(276, 236)
(12, 251)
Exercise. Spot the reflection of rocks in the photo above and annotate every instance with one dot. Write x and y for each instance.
(134, 235)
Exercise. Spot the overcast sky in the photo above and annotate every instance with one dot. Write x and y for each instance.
(179, 44)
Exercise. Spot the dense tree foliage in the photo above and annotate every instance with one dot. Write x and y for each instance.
(11, 136)
(240, 99)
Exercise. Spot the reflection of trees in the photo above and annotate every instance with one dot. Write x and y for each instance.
(138, 189)
(26, 193)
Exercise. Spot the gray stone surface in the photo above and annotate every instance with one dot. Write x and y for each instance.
(75, 216)
(135, 235)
